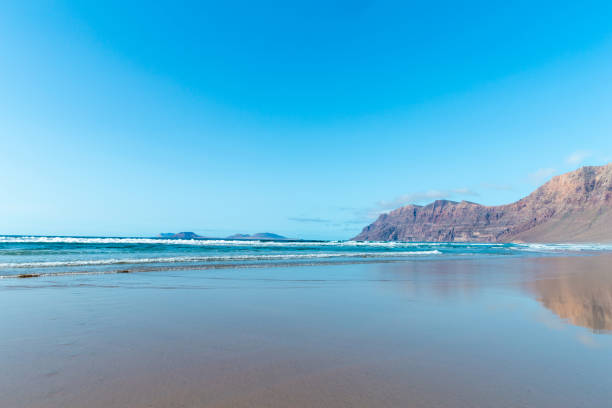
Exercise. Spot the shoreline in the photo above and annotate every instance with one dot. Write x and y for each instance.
(144, 267)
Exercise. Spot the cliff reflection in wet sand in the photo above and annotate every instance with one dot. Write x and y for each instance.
(577, 289)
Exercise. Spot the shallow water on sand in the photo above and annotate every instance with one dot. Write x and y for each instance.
(499, 331)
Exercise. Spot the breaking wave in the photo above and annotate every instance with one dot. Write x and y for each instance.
(535, 247)
(565, 247)
(230, 258)
(199, 242)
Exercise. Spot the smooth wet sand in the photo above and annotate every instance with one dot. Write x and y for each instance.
(497, 332)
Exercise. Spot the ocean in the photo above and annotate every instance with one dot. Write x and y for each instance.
(31, 256)
(217, 323)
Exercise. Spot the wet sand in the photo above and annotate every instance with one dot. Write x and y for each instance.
(494, 332)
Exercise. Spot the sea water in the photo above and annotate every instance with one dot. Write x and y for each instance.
(31, 256)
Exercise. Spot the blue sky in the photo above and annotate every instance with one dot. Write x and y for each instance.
(309, 119)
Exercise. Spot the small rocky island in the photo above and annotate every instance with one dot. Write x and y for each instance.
(261, 236)
(179, 235)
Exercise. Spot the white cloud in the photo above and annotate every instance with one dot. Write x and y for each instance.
(588, 340)
(422, 197)
(541, 175)
(309, 219)
(495, 186)
(577, 157)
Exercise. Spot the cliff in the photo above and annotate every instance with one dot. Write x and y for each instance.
(573, 207)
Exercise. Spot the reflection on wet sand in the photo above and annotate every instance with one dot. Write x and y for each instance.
(578, 290)
(458, 333)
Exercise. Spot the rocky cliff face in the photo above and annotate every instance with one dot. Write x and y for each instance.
(573, 207)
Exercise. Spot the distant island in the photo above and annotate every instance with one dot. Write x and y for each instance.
(180, 235)
(573, 207)
(258, 236)
(261, 236)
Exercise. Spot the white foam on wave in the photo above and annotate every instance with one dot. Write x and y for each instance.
(585, 247)
(534, 247)
(203, 242)
(231, 258)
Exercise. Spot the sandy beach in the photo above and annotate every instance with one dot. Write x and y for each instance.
(530, 332)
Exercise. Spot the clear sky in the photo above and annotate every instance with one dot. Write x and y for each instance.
(306, 119)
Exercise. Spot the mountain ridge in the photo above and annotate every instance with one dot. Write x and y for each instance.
(572, 207)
